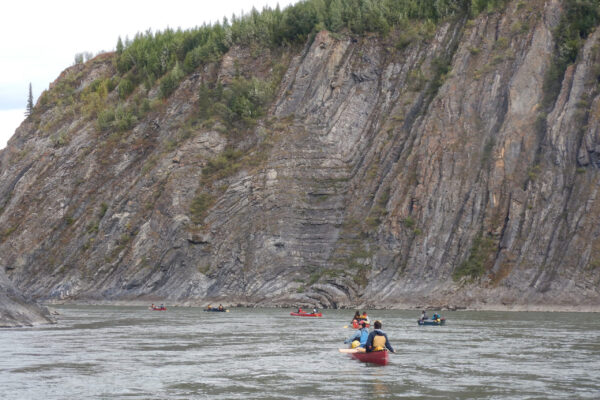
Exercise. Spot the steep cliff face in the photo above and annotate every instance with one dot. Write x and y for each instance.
(381, 175)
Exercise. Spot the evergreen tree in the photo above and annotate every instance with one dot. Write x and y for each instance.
(29, 108)
(335, 16)
(120, 46)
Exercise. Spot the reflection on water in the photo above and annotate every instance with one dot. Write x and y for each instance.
(184, 353)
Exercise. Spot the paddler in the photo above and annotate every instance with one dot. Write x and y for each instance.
(378, 339)
(365, 317)
(355, 319)
(360, 336)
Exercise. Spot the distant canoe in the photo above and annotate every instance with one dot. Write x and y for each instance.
(355, 323)
(215, 310)
(158, 308)
(303, 314)
(432, 322)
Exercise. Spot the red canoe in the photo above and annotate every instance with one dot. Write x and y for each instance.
(303, 314)
(158, 308)
(375, 357)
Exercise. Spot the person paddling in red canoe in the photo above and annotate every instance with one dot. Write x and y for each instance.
(359, 339)
(378, 340)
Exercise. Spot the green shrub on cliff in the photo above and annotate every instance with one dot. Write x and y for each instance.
(121, 118)
(169, 83)
(239, 104)
(479, 6)
(225, 164)
(200, 205)
(476, 264)
(105, 119)
(125, 88)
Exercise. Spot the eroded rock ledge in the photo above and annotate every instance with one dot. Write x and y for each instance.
(16, 310)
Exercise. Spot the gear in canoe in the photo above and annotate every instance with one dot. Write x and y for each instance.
(436, 319)
(209, 308)
(441, 321)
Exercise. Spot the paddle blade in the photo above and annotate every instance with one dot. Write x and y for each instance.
(348, 351)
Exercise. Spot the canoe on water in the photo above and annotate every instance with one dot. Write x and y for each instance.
(303, 314)
(158, 308)
(432, 322)
(215, 310)
(374, 357)
(356, 326)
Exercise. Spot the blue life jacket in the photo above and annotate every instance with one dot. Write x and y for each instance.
(364, 335)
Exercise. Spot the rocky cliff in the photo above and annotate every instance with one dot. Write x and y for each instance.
(383, 173)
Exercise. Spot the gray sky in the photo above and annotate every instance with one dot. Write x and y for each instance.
(40, 38)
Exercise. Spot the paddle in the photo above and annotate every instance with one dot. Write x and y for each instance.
(351, 351)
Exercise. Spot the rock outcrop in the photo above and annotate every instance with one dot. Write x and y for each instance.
(16, 310)
(382, 175)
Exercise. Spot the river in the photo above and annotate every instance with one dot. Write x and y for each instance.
(110, 352)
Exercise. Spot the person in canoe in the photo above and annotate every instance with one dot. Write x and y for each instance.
(436, 317)
(208, 307)
(378, 339)
(365, 317)
(423, 316)
(359, 339)
(300, 310)
(220, 307)
(355, 319)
